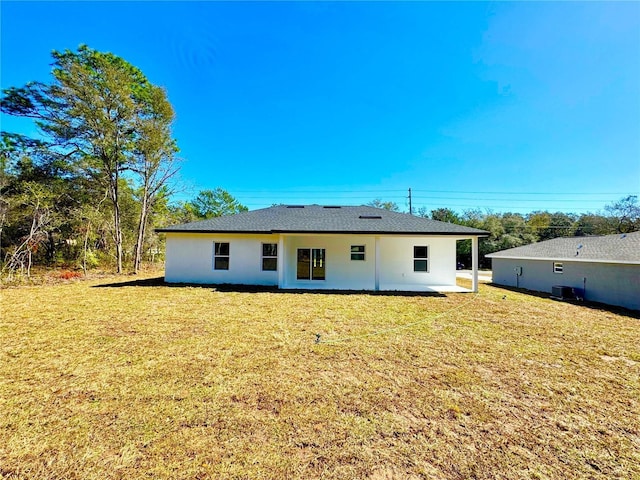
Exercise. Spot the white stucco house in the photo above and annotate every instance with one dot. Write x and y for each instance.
(319, 247)
(604, 269)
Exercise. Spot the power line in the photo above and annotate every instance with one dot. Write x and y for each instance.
(471, 207)
(358, 195)
(422, 198)
(505, 199)
(401, 191)
(414, 197)
(525, 193)
(453, 199)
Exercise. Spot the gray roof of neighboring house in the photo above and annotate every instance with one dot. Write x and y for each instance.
(620, 248)
(324, 219)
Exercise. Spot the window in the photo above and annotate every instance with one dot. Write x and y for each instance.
(311, 264)
(421, 259)
(357, 252)
(220, 255)
(269, 256)
(557, 267)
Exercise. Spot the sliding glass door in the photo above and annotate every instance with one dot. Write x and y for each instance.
(311, 264)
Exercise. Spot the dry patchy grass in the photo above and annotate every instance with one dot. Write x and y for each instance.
(150, 381)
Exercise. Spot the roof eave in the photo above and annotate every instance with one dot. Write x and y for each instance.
(566, 259)
(323, 232)
(380, 232)
(185, 230)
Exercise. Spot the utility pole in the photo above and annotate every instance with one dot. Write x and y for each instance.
(410, 209)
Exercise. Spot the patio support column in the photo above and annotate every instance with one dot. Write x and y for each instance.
(281, 261)
(377, 263)
(474, 264)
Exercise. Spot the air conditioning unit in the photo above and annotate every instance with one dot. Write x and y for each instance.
(562, 292)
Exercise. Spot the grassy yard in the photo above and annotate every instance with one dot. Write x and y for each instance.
(104, 379)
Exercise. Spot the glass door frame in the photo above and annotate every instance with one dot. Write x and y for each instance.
(316, 259)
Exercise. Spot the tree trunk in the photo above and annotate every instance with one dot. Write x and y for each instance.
(137, 256)
(116, 220)
(51, 248)
(84, 250)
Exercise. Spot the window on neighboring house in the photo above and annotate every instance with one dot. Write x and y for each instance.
(558, 267)
(357, 252)
(421, 259)
(269, 256)
(220, 255)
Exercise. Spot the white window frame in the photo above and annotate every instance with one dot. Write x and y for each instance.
(217, 255)
(425, 259)
(558, 267)
(358, 253)
(264, 257)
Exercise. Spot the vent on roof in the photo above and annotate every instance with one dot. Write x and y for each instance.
(370, 217)
(332, 206)
(295, 206)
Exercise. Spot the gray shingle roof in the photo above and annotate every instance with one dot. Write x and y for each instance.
(324, 219)
(621, 248)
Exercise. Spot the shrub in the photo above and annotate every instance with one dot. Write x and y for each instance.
(68, 275)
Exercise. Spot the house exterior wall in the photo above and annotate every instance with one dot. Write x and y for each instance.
(189, 259)
(396, 266)
(613, 284)
(395, 262)
(341, 272)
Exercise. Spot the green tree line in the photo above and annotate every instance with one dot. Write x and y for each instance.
(53, 215)
(89, 188)
(509, 230)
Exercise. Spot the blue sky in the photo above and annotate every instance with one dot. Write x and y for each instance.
(506, 106)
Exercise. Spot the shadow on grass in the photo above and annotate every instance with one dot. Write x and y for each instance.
(227, 287)
(582, 303)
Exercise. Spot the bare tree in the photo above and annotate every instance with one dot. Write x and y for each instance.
(36, 202)
(155, 162)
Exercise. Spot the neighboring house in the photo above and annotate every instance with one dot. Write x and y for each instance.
(600, 269)
(319, 247)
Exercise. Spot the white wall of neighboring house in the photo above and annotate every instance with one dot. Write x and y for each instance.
(189, 259)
